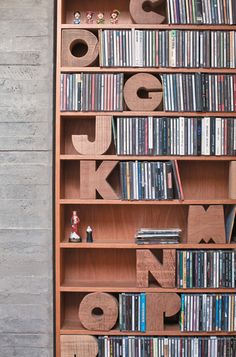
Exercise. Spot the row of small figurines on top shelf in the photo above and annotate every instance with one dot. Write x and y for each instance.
(100, 17)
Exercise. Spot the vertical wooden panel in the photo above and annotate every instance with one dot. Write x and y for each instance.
(232, 180)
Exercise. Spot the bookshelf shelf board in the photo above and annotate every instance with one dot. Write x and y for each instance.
(150, 26)
(146, 158)
(72, 327)
(121, 245)
(166, 202)
(130, 287)
(146, 69)
(155, 114)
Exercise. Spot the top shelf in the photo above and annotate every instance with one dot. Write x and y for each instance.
(132, 14)
(150, 26)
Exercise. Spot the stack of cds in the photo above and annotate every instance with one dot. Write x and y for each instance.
(132, 308)
(158, 236)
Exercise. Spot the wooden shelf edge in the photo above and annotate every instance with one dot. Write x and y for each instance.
(73, 289)
(155, 114)
(164, 202)
(66, 331)
(121, 26)
(146, 158)
(68, 245)
(147, 69)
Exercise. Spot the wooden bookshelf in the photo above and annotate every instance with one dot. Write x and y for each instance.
(109, 263)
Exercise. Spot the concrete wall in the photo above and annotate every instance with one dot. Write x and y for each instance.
(26, 87)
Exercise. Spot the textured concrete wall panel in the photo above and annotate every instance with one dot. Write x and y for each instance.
(26, 126)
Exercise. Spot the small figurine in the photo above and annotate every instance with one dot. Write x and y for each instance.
(114, 16)
(77, 16)
(89, 237)
(100, 18)
(89, 17)
(74, 237)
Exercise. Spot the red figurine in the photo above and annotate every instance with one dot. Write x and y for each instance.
(89, 17)
(74, 237)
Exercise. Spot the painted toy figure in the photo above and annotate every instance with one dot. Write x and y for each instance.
(77, 16)
(100, 18)
(89, 17)
(114, 16)
(89, 238)
(74, 237)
